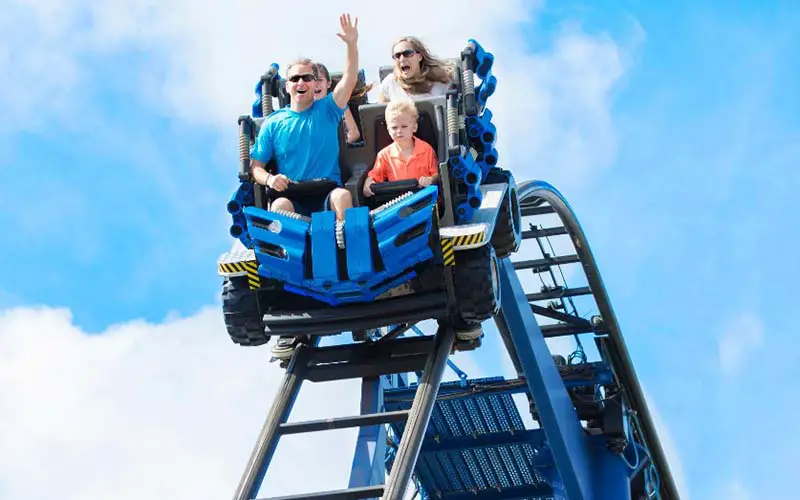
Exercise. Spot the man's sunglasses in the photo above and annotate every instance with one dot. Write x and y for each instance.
(306, 77)
(407, 53)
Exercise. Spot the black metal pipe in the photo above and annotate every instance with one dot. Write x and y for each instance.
(343, 422)
(270, 433)
(421, 410)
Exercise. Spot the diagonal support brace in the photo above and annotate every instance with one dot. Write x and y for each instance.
(567, 440)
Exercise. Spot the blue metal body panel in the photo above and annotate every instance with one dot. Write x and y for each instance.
(393, 223)
(324, 266)
(402, 236)
(280, 251)
(359, 249)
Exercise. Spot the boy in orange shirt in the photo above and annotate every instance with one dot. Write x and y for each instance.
(408, 157)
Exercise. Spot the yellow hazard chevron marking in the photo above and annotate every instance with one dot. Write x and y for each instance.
(253, 278)
(467, 239)
(250, 267)
(448, 255)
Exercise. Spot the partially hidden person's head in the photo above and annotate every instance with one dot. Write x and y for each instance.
(415, 68)
(401, 119)
(323, 83)
(301, 81)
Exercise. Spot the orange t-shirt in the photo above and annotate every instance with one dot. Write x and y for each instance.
(389, 166)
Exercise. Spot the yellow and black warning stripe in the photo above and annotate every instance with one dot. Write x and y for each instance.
(253, 279)
(468, 239)
(448, 255)
(250, 267)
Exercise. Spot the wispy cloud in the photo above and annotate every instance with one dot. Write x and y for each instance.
(167, 410)
(742, 336)
(734, 490)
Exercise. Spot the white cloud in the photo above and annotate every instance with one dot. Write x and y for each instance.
(741, 336)
(733, 491)
(150, 411)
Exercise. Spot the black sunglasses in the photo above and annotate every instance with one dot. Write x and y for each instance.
(306, 77)
(407, 53)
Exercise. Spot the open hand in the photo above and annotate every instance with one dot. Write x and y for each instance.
(349, 34)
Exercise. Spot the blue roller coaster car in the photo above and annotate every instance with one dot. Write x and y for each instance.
(407, 254)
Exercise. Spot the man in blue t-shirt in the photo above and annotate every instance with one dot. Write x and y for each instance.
(303, 138)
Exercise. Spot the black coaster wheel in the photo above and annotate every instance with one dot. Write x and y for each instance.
(507, 235)
(243, 318)
(477, 284)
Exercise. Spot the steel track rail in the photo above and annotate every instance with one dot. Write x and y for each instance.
(529, 192)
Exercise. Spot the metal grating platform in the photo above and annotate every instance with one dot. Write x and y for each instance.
(476, 446)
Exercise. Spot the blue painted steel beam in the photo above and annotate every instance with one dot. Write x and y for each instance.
(565, 435)
(368, 467)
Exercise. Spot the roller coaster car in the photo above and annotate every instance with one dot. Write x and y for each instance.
(407, 254)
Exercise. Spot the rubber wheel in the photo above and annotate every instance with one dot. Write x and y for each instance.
(477, 284)
(242, 315)
(507, 234)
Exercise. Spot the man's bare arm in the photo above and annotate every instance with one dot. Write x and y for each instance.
(260, 174)
(344, 89)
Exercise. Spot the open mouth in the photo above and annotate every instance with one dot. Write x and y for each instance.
(301, 92)
(405, 68)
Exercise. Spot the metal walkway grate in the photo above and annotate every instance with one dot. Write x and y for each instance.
(476, 445)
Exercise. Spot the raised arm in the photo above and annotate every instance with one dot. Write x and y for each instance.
(349, 35)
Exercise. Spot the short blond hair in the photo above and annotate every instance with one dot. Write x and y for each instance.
(401, 107)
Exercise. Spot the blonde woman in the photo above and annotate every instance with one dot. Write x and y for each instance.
(417, 74)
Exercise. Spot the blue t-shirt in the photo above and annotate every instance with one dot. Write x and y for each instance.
(305, 144)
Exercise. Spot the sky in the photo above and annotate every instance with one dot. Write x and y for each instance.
(671, 129)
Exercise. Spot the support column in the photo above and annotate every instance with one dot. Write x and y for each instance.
(369, 468)
(612, 474)
(569, 445)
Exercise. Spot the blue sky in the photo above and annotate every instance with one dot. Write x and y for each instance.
(113, 205)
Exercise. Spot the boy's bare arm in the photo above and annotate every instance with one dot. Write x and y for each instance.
(368, 186)
(349, 34)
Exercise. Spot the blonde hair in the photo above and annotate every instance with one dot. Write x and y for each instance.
(431, 69)
(401, 107)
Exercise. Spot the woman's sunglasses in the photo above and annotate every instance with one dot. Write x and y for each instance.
(407, 53)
